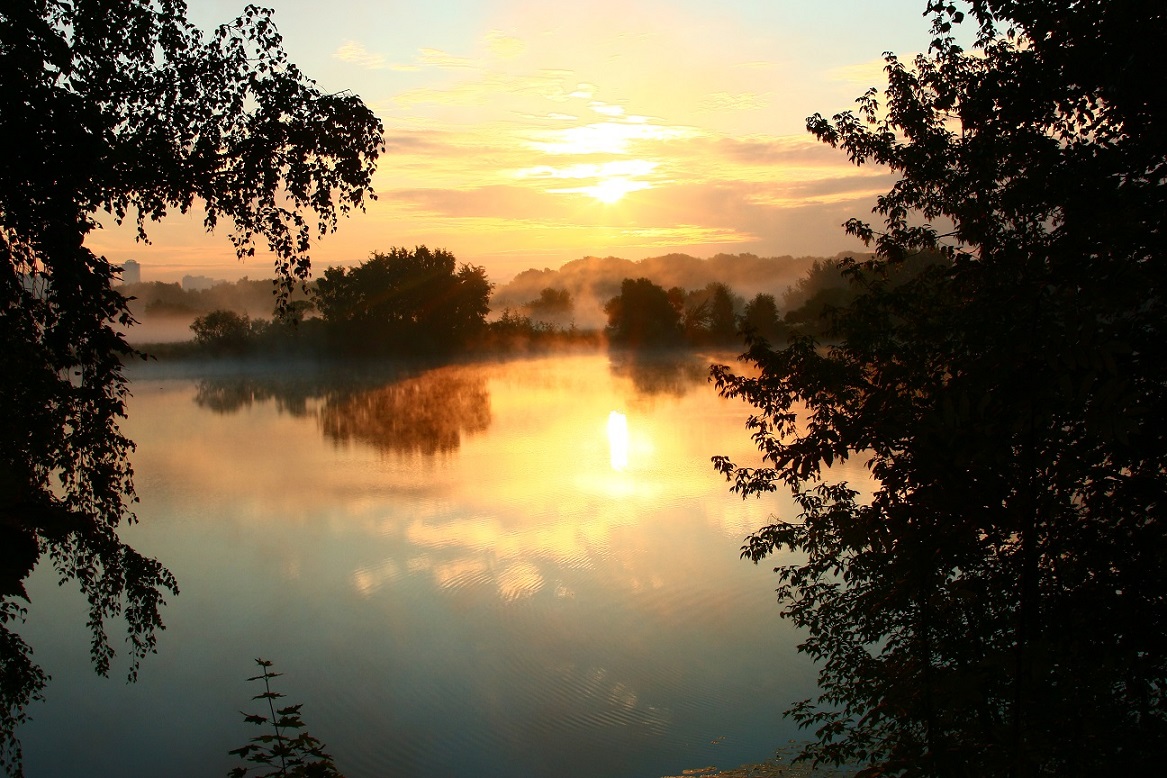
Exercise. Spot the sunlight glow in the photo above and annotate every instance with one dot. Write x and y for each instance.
(609, 190)
(613, 179)
(618, 440)
(607, 137)
(621, 167)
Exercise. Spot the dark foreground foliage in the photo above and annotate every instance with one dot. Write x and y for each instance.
(125, 107)
(998, 605)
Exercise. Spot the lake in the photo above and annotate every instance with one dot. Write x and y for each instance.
(514, 568)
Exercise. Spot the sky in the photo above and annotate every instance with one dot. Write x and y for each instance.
(527, 133)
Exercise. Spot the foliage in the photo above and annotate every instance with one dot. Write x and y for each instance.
(222, 330)
(830, 285)
(643, 314)
(404, 300)
(552, 305)
(126, 107)
(760, 319)
(997, 605)
(709, 314)
(251, 296)
(287, 755)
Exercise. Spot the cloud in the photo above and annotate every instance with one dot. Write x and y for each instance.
(356, 53)
(441, 59)
(611, 137)
(771, 151)
(489, 89)
(862, 74)
(742, 101)
(606, 110)
(620, 167)
(504, 46)
(496, 201)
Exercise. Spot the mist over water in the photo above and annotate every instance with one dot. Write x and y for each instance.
(160, 328)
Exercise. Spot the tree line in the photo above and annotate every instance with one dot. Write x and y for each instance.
(422, 301)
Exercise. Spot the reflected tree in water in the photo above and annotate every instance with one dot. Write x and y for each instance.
(230, 395)
(674, 373)
(428, 414)
(125, 107)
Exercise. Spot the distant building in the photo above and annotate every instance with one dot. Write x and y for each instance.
(131, 272)
(195, 283)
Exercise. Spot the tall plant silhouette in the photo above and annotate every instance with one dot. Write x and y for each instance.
(285, 749)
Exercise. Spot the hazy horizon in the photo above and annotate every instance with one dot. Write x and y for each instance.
(525, 135)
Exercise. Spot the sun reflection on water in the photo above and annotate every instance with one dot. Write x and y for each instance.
(618, 440)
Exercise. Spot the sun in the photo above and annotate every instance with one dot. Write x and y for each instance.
(611, 190)
(608, 181)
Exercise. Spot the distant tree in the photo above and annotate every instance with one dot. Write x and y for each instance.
(710, 314)
(222, 330)
(554, 305)
(822, 278)
(124, 106)
(405, 300)
(643, 315)
(295, 312)
(761, 319)
(997, 606)
(816, 316)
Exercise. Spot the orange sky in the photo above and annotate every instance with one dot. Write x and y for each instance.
(525, 133)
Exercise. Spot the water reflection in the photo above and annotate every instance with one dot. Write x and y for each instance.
(429, 413)
(514, 606)
(618, 440)
(671, 373)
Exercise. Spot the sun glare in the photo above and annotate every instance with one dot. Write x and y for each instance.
(618, 440)
(612, 189)
(613, 179)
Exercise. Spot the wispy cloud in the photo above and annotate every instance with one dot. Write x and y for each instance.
(612, 137)
(441, 59)
(861, 74)
(357, 54)
(503, 46)
(742, 101)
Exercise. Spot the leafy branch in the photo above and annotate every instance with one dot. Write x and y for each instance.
(285, 748)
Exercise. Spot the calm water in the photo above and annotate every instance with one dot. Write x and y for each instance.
(509, 569)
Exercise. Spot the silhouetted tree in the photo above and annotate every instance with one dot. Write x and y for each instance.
(552, 305)
(418, 300)
(760, 318)
(710, 314)
(126, 107)
(222, 330)
(643, 314)
(998, 605)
